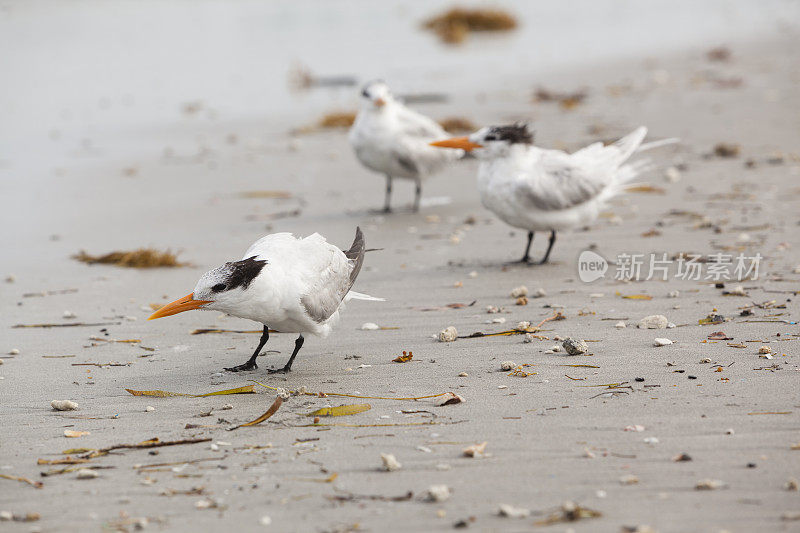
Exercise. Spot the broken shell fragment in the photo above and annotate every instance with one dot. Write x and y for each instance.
(629, 479)
(660, 341)
(575, 346)
(390, 463)
(370, 326)
(448, 334)
(63, 405)
(764, 350)
(509, 511)
(710, 484)
(654, 322)
(476, 450)
(449, 398)
(507, 365)
(516, 292)
(438, 493)
(85, 473)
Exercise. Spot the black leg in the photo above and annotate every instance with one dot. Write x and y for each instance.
(549, 247)
(417, 196)
(298, 343)
(387, 206)
(251, 363)
(526, 257)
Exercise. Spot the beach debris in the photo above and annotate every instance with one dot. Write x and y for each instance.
(475, 450)
(650, 440)
(13, 351)
(569, 512)
(37, 484)
(653, 322)
(205, 503)
(458, 125)
(736, 291)
(529, 337)
(449, 398)
(463, 375)
(390, 462)
(337, 119)
(719, 53)
(637, 297)
(370, 326)
(628, 479)
(635, 427)
(507, 365)
(66, 325)
(278, 195)
(660, 341)
(271, 411)
(72, 434)
(790, 516)
(682, 458)
(141, 258)
(341, 410)
(620, 325)
(710, 484)
(448, 334)
(85, 473)
(516, 292)
(508, 511)
(712, 319)
(149, 409)
(672, 174)
(405, 358)
(438, 493)
(575, 346)
(454, 25)
(522, 300)
(588, 454)
(63, 405)
(727, 150)
(301, 78)
(719, 336)
(247, 389)
(8, 516)
(730, 431)
(792, 485)
(265, 520)
(764, 350)
(492, 309)
(567, 100)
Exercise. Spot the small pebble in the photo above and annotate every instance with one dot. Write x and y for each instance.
(620, 325)
(463, 375)
(507, 365)
(528, 338)
(69, 314)
(370, 326)
(650, 440)
(265, 520)
(492, 309)
(149, 409)
(442, 467)
(729, 431)
(709, 484)
(764, 350)
(659, 341)
(498, 320)
(13, 351)
(473, 274)
(522, 300)
(792, 485)
(629, 479)
(227, 407)
(539, 293)
(508, 511)
(672, 175)
(674, 294)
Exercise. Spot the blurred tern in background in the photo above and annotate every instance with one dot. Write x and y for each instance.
(294, 285)
(392, 139)
(536, 189)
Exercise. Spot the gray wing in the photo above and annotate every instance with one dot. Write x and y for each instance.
(326, 296)
(560, 187)
(414, 124)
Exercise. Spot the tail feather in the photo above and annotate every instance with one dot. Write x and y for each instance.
(657, 144)
(353, 295)
(630, 143)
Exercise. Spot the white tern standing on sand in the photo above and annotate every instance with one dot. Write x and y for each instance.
(290, 284)
(392, 139)
(536, 189)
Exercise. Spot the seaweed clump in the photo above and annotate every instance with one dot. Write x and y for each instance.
(141, 258)
(455, 25)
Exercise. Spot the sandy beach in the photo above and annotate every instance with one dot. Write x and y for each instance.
(171, 163)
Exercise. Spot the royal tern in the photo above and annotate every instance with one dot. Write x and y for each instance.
(291, 284)
(390, 138)
(537, 189)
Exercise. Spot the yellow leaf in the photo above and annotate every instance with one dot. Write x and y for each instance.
(247, 389)
(342, 410)
(156, 393)
(74, 434)
(271, 411)
(638, 297)
(645, 188)
(77, 450)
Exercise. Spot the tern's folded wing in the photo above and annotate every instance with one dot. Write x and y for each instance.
(554, 186)
(413, 124)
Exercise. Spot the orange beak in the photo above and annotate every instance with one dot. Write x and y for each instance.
(380, 102)
(187, 303)
(457, 142)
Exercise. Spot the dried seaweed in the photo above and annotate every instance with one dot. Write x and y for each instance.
(340, 395)
(454, 25)
(68, 325)
(246, 389)
(141, 258)
(37, 484)
(569, 512)
(281, 195)
(405, 358)
(341, 410)
(271, 411)
(337, 119)
(457, 125)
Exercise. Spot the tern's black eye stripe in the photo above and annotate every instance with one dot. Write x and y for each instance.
(364, 93)
(491, 138)
(219, 287)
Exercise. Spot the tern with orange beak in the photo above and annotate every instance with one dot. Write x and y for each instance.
(536, 189)
(393, 140)
(294, 285)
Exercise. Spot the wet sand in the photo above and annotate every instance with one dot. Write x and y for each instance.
(184, 192)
